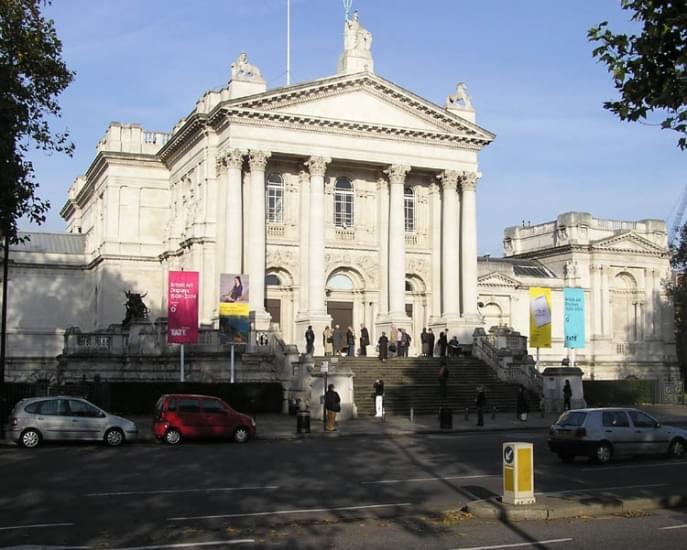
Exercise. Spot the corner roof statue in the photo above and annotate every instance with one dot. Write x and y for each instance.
(460, 99)
(242, 70)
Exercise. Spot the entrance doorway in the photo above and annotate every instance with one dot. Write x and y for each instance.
(342, 313)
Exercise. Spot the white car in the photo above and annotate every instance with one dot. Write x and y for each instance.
(66, 418)
(604, 433)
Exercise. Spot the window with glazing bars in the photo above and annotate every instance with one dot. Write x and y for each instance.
(409, 208)
(275, 199)
(343, 203)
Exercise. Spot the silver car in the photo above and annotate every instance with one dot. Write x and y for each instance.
(66, 418)
(614, 431)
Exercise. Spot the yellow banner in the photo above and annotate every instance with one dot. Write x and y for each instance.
(540, 317)
(235, 309)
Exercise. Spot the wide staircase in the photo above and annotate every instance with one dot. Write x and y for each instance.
(413, 382)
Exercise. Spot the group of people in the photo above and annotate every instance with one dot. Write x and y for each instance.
(338, 343)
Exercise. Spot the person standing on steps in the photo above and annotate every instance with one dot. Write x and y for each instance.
(383, 347)
(350, 342)
(379, 397)
(399, 342)
(364, 340)
(424, 341)
(443, 344)
(480, 403)
(339, 340)
(328, 342)
(430, 341)
(309, 341)
(332, 405)
(567, 395)
(443, 378)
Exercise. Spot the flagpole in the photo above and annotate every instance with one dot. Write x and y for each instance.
(288, 42)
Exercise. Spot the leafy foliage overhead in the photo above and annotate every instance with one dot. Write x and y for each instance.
(649, 69)
(32, 75)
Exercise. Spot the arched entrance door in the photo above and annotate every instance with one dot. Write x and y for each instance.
(340, 300)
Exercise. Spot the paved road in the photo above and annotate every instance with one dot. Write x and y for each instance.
(334, 493)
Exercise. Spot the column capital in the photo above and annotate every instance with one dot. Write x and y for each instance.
(448, 179)
(397, 173)
(258, 160)
(234, 158)
(220, 165)
(468, 180)
(317, 165)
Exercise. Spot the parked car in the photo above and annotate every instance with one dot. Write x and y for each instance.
(604, 433)
(62, 418)
(188, 416)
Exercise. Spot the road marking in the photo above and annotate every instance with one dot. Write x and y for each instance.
(36, 526)
(683, 526)
(632, 467)
(173, 491)
(602, 489)
(516, 545)
(423, 479)
(189, 544)
(282, 512)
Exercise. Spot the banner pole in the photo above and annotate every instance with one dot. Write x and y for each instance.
(572, 356)
(231, 362)
(182, 362)
(538, 366)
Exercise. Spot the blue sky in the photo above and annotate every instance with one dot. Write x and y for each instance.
(527, 64)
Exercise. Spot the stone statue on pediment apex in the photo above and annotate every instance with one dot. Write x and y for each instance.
(460, 99)
(241, 69)
(356, 37)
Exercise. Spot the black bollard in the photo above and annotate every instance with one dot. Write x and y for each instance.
(493, 412)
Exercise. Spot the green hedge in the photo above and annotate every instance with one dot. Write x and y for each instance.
(600, 393)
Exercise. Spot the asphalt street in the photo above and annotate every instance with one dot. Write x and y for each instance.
(361, 492)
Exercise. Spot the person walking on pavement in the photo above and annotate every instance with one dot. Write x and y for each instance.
(332, 405)
(443, 344)
(383, 347)
(480, 403)
(364, 340)
(379, 397)
(328, 342)
(443, 378)
(430, 342)
(567, 394)
(522, 408)
(309, 341)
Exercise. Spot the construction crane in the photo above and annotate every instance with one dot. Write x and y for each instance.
(674, 227)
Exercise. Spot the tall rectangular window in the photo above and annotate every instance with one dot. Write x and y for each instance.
(275, 199)
(343, 203)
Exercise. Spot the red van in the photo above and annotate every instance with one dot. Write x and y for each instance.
(190, 416)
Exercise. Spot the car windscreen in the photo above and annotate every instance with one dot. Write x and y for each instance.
(572, 418)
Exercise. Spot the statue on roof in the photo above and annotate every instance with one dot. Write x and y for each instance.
(357, 55)
(136, 310)
(242, 70)
(356, 37)
(460, 99)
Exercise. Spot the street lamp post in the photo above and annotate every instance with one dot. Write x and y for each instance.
(3, 335)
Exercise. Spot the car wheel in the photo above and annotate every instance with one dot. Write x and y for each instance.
(30, 438)
(677, 448)
(173, 436)
(241, 435)
(114, 437)
(603, 453)
(566, 457)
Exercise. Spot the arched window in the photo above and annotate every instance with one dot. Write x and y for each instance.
(409, 209)
(275, 199)
(343, 203)
(339, 281)
(272, 280)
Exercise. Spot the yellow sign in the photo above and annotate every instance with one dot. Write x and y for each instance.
(518, 473)
(540, 317)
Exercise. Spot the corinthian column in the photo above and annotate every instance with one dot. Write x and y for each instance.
(397, 241)
(233, 222)
(316, 296)
(256, 239)
(450, 247)
(468, 247)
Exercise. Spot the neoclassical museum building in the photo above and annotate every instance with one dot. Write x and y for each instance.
(346, 200)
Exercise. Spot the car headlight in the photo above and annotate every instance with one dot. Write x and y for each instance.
(252, 421)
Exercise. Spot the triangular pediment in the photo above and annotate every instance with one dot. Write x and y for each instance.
(496, 279)
(628, 242)
(362, 99)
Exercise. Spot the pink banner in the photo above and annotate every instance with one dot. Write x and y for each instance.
(182, 307)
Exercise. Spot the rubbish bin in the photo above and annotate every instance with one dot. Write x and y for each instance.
(303, 422)
(445, 418)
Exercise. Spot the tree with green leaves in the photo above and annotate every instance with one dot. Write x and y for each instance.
(649, 69)
(32, 76)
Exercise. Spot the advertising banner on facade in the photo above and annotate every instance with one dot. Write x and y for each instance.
(233, 307)
(574, 317)
(540, 317)
(182, 307)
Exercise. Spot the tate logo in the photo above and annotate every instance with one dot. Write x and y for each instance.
(178, 332)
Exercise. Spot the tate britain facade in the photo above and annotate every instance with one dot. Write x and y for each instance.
(354, 201)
